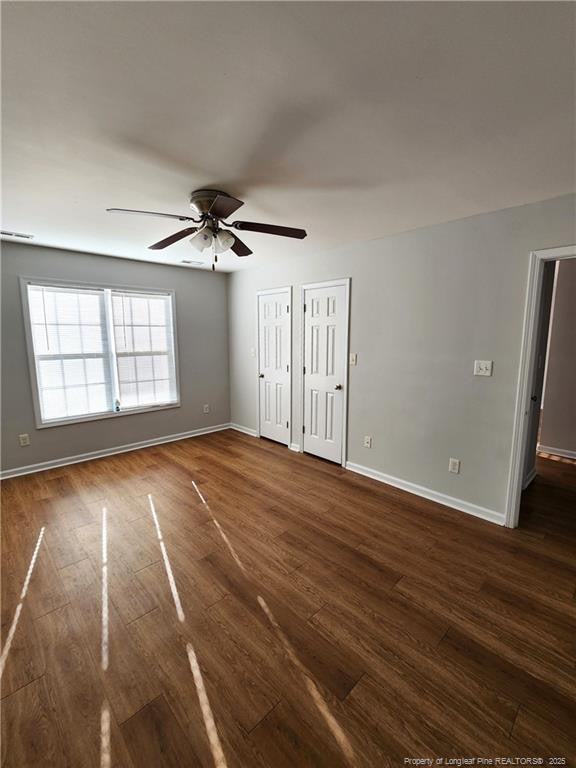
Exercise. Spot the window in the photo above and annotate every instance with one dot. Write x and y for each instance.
(99, 351)
(144, 349)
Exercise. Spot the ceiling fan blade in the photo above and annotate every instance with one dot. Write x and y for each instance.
(240, 248)
(151, 213)
(270, 229)
(224, 206)
(173, 238)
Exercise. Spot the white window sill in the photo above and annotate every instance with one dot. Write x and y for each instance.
(106, 415)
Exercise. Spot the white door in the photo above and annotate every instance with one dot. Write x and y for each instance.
(537, 385)
(325, 367)
(274, 342)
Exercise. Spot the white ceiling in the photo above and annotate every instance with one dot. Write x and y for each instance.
(351, 120)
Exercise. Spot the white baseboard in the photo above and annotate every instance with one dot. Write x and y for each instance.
(44, 465)
(528, 479)
(418, 490)
(253, 433)
(244, 430)
(428, 493)
(556, 451)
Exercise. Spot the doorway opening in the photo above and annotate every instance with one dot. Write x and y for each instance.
(544, 448)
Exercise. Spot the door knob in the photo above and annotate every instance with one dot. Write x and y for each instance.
(534, 398)
(260, 375)
(338, 386)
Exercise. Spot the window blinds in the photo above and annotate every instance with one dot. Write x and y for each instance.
(144, 349)
(101, 350)
(68, 329)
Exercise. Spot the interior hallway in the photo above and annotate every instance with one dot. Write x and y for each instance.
(281, 612)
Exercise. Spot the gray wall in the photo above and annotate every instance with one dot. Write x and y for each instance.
(424, 305)
(558, 424)
(202, 329)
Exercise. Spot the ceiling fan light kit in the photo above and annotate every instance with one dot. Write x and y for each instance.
(212, 207)
(223, 241)
(203, 238)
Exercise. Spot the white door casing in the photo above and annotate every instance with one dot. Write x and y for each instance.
(520, 433)
(325, 356)
(274, 363)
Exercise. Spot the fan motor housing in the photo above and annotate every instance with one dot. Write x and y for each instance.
(201, 199)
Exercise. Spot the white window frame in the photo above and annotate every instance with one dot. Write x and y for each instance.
(25, 282)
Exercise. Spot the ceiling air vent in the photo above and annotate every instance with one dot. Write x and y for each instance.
(5, 233)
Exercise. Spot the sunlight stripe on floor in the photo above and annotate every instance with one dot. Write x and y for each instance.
(225, 538)
(319, 701)
(18, 611)
(167, 566)
(105, 641)
(203, 500)
(208, 717)
(209, 723)
(321, 705)
(105, 745)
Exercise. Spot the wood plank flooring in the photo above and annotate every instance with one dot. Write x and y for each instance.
(224, 602)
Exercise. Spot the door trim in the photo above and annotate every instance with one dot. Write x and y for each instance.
(267, 292)
(527, 362)
(343, 281)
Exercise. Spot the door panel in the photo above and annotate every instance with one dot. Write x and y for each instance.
(325, 366)
(274, 333)
(537, 384)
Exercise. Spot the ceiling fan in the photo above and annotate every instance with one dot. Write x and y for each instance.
(213, 206)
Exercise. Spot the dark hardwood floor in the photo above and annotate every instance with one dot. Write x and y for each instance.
(280, 613)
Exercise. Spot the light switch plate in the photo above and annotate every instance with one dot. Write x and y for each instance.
(454, 466)
(482, 367)
(353, 358)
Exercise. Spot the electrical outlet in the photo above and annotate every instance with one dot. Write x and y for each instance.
(24, 440)
(454, 466)
(206, 408)
(353, 358)
(252, 351)
(482, 367)
(367, 441)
